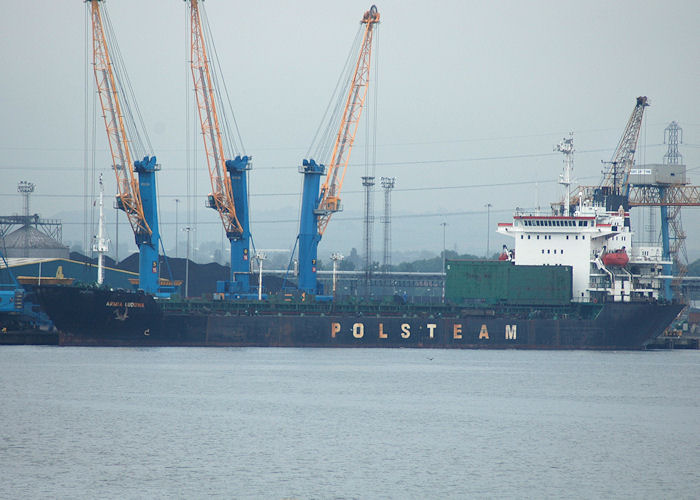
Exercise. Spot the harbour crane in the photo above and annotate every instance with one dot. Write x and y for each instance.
(614, 186)
(623, 158)
(318, 206)
(229, 177)
(136, 179)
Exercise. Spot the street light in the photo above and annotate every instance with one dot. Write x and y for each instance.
(260, 256)
(444, 251)
(488, 228)
(187, 229)
(177, 204)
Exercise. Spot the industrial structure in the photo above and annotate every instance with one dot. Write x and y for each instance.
(388, 184)
(28, 235)
(229, 177)
(666, 186)
(318, 207)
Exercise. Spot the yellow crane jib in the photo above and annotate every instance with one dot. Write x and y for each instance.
(345, 138)
(128, 198)
(221, 197)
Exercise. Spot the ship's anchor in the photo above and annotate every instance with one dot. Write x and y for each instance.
(122, 317)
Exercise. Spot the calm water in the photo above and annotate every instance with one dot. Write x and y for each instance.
(353, 423)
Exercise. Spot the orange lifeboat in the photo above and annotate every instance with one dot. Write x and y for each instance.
(506, 254)
(618, 258)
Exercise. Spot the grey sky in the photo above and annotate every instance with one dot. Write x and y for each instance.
(470, 93)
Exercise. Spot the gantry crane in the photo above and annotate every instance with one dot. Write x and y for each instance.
(318, 207)
(229, 178)
(136, 180)
(665, 186)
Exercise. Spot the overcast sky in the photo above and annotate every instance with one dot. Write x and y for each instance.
(472, 97)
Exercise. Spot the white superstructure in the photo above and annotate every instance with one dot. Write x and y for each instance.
(588, 240)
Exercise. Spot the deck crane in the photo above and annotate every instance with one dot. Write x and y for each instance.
(318, 207)
(229, 182)
(136, 179)
(614, 186)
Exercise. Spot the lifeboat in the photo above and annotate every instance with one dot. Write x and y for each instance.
(618, 258)
(506, 254)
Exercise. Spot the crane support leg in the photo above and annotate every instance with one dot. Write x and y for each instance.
(149, 264)
(666, 249)
(309, 237)
(240, 242)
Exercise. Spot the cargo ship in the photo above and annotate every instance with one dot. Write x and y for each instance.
(554, 289)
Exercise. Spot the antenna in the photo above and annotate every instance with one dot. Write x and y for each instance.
(566, 146)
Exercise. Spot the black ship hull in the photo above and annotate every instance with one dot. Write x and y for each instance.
(100, 317)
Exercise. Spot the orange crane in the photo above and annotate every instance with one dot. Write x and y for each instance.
(137, 194)
(317, 208)
(229, 188)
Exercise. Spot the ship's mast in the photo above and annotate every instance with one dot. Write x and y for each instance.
(566, 146)
(101, 243)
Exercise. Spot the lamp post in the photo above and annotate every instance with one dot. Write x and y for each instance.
(187, 229)
(335, 257)
(177, 204)
(116, 230)
(444, 251)
(488, 228)
(260, 256)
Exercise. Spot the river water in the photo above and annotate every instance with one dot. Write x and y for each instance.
(347, 423)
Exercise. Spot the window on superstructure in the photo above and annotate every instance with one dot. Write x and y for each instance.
(548, 250)
(528, 236)
(521, 236)
(561, 251)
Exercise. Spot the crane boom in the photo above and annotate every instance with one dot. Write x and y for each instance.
(221, 197)
(136, 180)
(330, 191)
(129, 198)
(623, 158)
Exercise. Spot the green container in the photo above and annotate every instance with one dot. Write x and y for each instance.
(486, 283)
